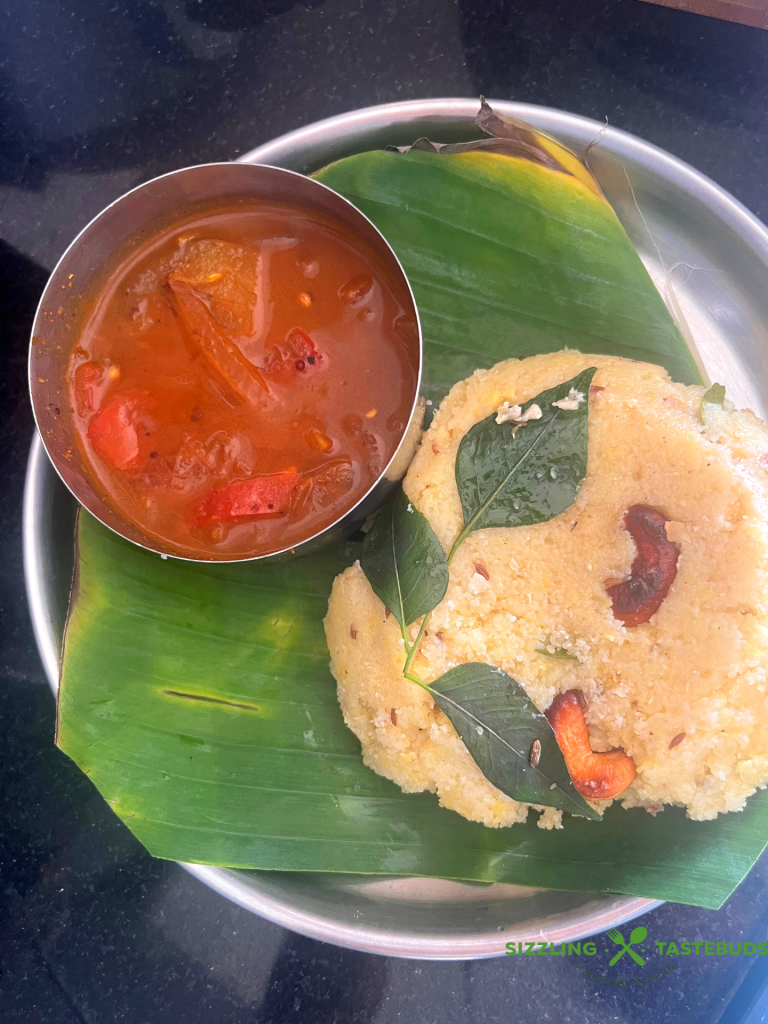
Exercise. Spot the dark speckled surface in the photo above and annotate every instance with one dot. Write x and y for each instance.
(98, 95)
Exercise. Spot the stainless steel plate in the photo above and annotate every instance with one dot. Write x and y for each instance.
(709, 257)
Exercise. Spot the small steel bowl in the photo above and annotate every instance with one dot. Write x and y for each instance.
(112, 233)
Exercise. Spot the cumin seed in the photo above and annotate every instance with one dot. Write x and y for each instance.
(353, 632)
(482, 571)
(535, 753)
(677, 740)
(393, 716)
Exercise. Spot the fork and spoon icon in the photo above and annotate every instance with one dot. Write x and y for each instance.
(637, 935)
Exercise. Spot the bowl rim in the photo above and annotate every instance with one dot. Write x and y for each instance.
(289, 146)
(329, 532)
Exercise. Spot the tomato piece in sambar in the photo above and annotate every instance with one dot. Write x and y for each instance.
(242, 499)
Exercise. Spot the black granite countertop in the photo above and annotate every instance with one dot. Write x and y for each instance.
(99, 95)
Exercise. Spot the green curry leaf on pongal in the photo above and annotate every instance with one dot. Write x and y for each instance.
(712, 403)
(559, 654)
(404, 561)
(521, 465)
(714, 395)
(529, 467)
(499, 724)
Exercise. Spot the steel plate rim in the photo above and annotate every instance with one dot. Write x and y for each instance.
(38, 464)
(405, 946)
(482, 945)
(545, 118)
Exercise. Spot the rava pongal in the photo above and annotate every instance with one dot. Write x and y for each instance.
(671, 682)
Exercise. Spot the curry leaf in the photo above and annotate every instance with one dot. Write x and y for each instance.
(559, 654)
(509, 475)
(499, 723)
(404, 561)
(712, 401)
(714, 396)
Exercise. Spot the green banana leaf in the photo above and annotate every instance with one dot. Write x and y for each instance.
(509, 258)
(198, 697)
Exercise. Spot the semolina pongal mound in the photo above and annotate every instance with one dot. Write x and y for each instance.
(697, 669)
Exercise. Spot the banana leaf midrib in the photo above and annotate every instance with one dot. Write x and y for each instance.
(494, 240)
(541, 260)
(626, 353)
(233, 696)
(273, 651)
(551, 321)
(140, 580)
(331, 794)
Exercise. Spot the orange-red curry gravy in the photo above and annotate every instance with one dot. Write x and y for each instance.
(242, 379)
